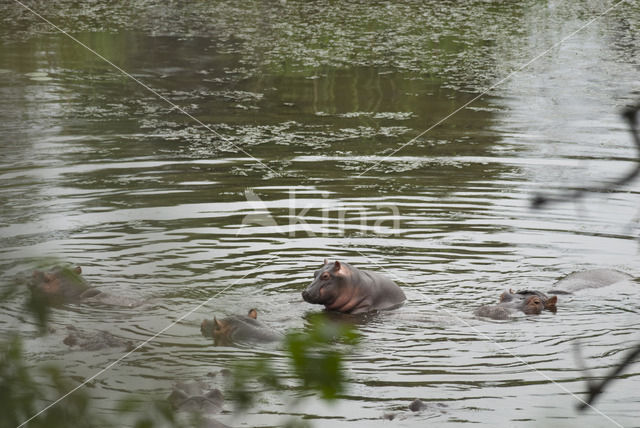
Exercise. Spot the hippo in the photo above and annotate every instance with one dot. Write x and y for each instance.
(61, 285)
(198, 397)
(94, 341)
(237, 329)
(593, 278)
(344, 288)
(66, 285)
(549, 303)
(418, 406)
(530, 305)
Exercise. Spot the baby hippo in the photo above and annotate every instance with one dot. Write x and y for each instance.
(238, 329)
(549, 303)
(530, 305)
(344, 288)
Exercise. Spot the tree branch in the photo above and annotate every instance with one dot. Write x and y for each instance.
(630, 114)
(597, 388)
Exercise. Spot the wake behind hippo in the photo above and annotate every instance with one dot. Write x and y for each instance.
(344, 288)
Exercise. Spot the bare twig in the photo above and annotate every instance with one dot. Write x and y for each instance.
(630, 114)
(597, 388)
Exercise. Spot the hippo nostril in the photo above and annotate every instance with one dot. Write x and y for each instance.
(307, 296)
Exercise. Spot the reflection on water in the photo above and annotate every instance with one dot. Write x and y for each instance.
(99, 172)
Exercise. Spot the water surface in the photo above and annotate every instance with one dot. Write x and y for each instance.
(308, 104)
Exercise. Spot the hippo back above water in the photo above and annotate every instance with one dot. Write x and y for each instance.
(594, 278)
(344, 288)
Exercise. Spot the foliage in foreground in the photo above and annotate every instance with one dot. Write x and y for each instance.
(25, 391)
(315, 357)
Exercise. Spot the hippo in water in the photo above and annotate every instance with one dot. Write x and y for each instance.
(200, 398)
(61, 285)
(549, 303)
(237, 329)
(196, 396)
(343, 288)
(95, 341)
(593, 278)
(530, 305)
(66, 285)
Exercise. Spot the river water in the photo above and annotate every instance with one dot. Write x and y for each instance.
(342, 130)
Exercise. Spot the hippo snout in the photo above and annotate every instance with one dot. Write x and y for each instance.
(310, 295)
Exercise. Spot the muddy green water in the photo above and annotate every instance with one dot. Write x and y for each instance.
(310, 107)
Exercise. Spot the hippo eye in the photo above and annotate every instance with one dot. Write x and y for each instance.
(325, 276)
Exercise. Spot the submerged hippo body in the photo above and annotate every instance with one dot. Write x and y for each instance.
(239, 329)
(66, 285)
(198, 397)
(549, 303)
(594, 278)
(95, 341)
(343, 288)
(530, 305)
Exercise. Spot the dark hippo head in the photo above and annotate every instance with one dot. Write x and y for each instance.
(532, 305)
(219, 330)
(215, 328)
(329, 284)
(549, 303)
(222, 331)
(196, 397)
(62, 284)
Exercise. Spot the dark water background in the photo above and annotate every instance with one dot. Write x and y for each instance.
(98, 171)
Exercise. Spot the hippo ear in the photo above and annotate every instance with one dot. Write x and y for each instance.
(326, 262)
(551, 301)
(216, 324)
(77, 270)
(253, 313)
(340, 268)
